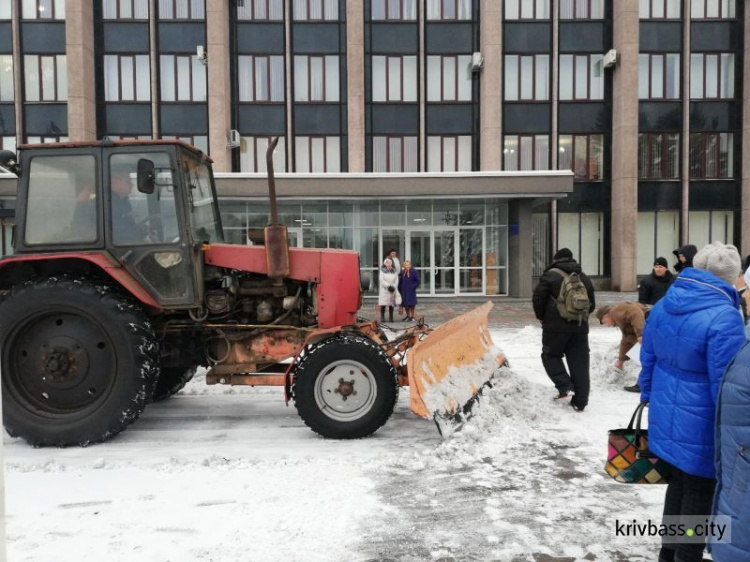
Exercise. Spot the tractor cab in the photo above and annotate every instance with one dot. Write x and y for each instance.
(150, 206)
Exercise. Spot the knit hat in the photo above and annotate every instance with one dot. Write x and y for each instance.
(562, 254)
(723, 260)
(661, 261)
(602, 312)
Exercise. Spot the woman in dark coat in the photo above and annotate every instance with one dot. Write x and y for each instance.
(407, 285)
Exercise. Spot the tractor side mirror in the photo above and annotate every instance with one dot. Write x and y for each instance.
(146, 176)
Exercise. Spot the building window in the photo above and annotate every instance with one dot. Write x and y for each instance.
(659, 76)
(128, 137)
(705, 227)
(525, 152)
(8, 143)
(398, 10)
(317, 154)
(43, 9)
(182, 9)
(7, 92)
(198, 141)
(261, 78)
(46, 139)
(261, 10)
(657, 234)
(449, 153)
(448, 9)
(526, 77)
(527, 9)
(45, 77)
(253, 155)
(583, 234)
(316, 10)
(582, 9)
(449, 78)
(5, 9)
(183, 78)
(316, 78)
(712, 155)
(658, 156)
(583, 154)
(127, 78)
(660, 9)
(581, 77)
(125, 9)
(712, 9)
(395, 154)
(394, 79)
(711, 76)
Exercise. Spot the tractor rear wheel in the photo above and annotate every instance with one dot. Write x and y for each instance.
(79, 361)
(172, 380)
(345, 387)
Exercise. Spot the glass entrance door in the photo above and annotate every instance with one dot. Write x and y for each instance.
(419, 252)
(445, 260)
(295, 237)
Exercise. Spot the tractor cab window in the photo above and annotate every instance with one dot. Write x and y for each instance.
(62, 200)
(140, 218)
(205, 223)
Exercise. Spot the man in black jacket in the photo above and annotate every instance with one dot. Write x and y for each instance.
(561, 337)
(654, 287)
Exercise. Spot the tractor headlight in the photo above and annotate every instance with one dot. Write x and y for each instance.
(168, 259)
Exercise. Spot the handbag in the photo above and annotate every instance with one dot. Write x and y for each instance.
(629, 461)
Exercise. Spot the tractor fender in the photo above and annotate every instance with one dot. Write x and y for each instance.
(18, 268)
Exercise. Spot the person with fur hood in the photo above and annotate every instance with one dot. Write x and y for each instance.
(388, 295)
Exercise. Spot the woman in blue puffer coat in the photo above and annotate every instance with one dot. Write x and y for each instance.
(690, 337)
(733, 459)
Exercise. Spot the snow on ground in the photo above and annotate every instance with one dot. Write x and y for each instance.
(220, 474)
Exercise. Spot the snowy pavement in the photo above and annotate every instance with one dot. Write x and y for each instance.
(220, 474)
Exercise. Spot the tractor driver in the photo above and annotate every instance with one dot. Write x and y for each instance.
(125, 229)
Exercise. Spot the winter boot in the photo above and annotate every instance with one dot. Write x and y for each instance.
(634, 388)
(382, 314)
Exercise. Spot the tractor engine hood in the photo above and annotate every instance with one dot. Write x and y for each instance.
(336, 272)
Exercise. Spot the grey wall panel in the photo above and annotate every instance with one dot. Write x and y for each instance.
(527, 118)
(7, 119)
(659, 195)
(661, 36)
(127, 119)
(48, 37)
(708, 195)
(528, 37)
(584, 117)
(46, 119)
(392, 119)
(715, 116)
(316, 38)
(181, 37)
(660, 116)
(715, 36)
(587, 197)
(447, 119)
(317, 119)
(449, 38)
(262, 119)
(6, 38)
(126, 37)
(397, 38)
(180, 119)
(266, 38)
(583, 37)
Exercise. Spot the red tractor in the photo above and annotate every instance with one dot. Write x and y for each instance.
(120, 287)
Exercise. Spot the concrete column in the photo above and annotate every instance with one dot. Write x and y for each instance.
(490, 90)
(355, 84)
(554, 133)
(625, 146)
(745, 241)
(153, 57)
(79, 47)
(15, 14)
(520, 249)
(685, 144)
(220, 87)
(422, 17)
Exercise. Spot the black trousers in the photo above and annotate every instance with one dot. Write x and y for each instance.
(686, 495)
(574, 346)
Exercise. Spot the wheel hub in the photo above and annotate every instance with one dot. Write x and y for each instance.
(59, 364)
(345, 389)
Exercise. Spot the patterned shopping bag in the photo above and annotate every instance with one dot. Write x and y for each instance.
(629, 461)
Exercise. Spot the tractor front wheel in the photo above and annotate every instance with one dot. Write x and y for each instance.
(345, 387)
(79, 361)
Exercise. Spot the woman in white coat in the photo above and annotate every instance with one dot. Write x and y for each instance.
(388, 295)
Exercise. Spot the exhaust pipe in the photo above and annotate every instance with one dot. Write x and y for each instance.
(275, 235)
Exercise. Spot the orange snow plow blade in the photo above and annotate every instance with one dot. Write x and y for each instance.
(448, 369)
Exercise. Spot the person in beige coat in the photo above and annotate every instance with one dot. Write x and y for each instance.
(630, 318)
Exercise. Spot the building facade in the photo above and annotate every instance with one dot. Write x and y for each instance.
(655, 140)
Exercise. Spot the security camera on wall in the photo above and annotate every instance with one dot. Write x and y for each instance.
(477, 62)
(610, 59)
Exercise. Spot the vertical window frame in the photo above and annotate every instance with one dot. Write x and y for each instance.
(535, 16)
(519, 78)
(118, 11)
(704, 139)
(719, 74)
(589, 156)
(535, 164)
(664, 138)
(189, 9)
